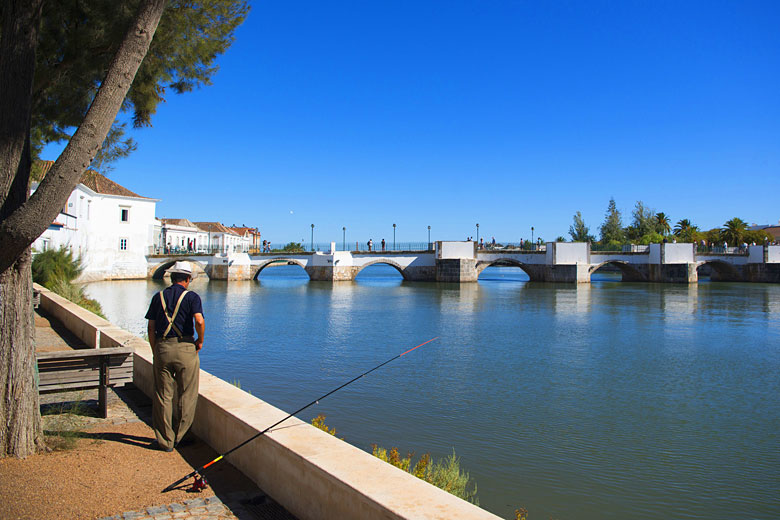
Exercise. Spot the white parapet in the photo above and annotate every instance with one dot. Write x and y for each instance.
(567, 253)
(773, 256)
(678, 253)
(455, 250)
(238, 259)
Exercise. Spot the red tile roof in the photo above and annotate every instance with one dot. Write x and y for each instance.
(214, 227)
(95, 181)
(178, 222)
(245, 230)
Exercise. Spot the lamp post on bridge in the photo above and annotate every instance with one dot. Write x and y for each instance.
(344, 238)
(393, 237)
(477, 232)
(312, 238)
(429, 237)
(532, 236)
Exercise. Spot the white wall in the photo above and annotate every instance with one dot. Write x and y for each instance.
(774, 255)
(568, 253)
(756, 254)
(678, 253)
(450, 250)
(655, 254)
(103, 257)
(67, 236)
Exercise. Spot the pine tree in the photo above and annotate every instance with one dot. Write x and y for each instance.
(643, 223)
(612, 228)
(578, 231)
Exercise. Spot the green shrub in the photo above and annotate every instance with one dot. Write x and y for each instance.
(319, 422)
(651, 238)
(445, 474)
(56, 269)
(55, 264)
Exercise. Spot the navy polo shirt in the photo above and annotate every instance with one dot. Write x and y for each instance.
(190, 306)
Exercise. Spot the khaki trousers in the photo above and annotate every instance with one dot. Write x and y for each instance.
(176, 371)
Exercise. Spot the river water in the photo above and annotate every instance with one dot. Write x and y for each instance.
(603, 400)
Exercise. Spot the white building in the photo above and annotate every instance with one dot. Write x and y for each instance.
(250, 238)
(223, 239)
(181, 235)
(108, 226)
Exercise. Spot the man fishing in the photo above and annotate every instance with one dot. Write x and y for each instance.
(176, 362)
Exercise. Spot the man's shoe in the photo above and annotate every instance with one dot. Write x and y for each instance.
(156, 446)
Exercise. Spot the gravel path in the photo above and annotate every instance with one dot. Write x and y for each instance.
(113, 473)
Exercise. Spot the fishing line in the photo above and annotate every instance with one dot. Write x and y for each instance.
(200, 482)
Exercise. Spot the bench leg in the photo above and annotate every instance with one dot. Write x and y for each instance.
(103, 390)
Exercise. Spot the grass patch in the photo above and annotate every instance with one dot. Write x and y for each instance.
(237, 384)
(64, 423)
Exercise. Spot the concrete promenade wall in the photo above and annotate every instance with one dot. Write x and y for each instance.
(85, 325)
(312, 474)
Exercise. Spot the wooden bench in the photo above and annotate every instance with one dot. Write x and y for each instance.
(84, 369)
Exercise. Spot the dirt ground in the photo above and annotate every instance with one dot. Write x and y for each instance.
(111, 470)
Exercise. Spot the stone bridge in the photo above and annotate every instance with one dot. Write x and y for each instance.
(462, 262)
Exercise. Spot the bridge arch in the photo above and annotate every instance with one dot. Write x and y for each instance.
(628, 272)
(199, 267)
(288, 261)
(398, 267)
(723, 271)
(506, 262)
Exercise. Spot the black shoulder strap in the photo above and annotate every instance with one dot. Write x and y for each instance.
(171, 318)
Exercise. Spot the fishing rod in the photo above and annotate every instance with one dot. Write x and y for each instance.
(200, 482)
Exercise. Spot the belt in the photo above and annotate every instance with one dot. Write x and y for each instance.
(183, 339)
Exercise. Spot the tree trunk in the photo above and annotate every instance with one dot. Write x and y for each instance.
(20, 430)
(23, 220)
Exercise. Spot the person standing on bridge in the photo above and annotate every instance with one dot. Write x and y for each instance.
(176, 362)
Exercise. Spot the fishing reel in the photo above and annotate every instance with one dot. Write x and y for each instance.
(199, 484)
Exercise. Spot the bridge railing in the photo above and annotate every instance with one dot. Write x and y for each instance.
(720, 250)
(388, 246)
(183, 251)
(512, 246)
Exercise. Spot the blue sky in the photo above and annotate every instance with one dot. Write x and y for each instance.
(446, 113)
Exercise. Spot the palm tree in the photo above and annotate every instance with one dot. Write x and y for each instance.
(662, 223)
(733, 231)
(682, 226)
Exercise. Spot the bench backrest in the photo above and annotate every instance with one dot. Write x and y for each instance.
(74, 369)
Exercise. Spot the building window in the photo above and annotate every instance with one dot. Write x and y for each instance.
(125, 215)
(123, 244)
